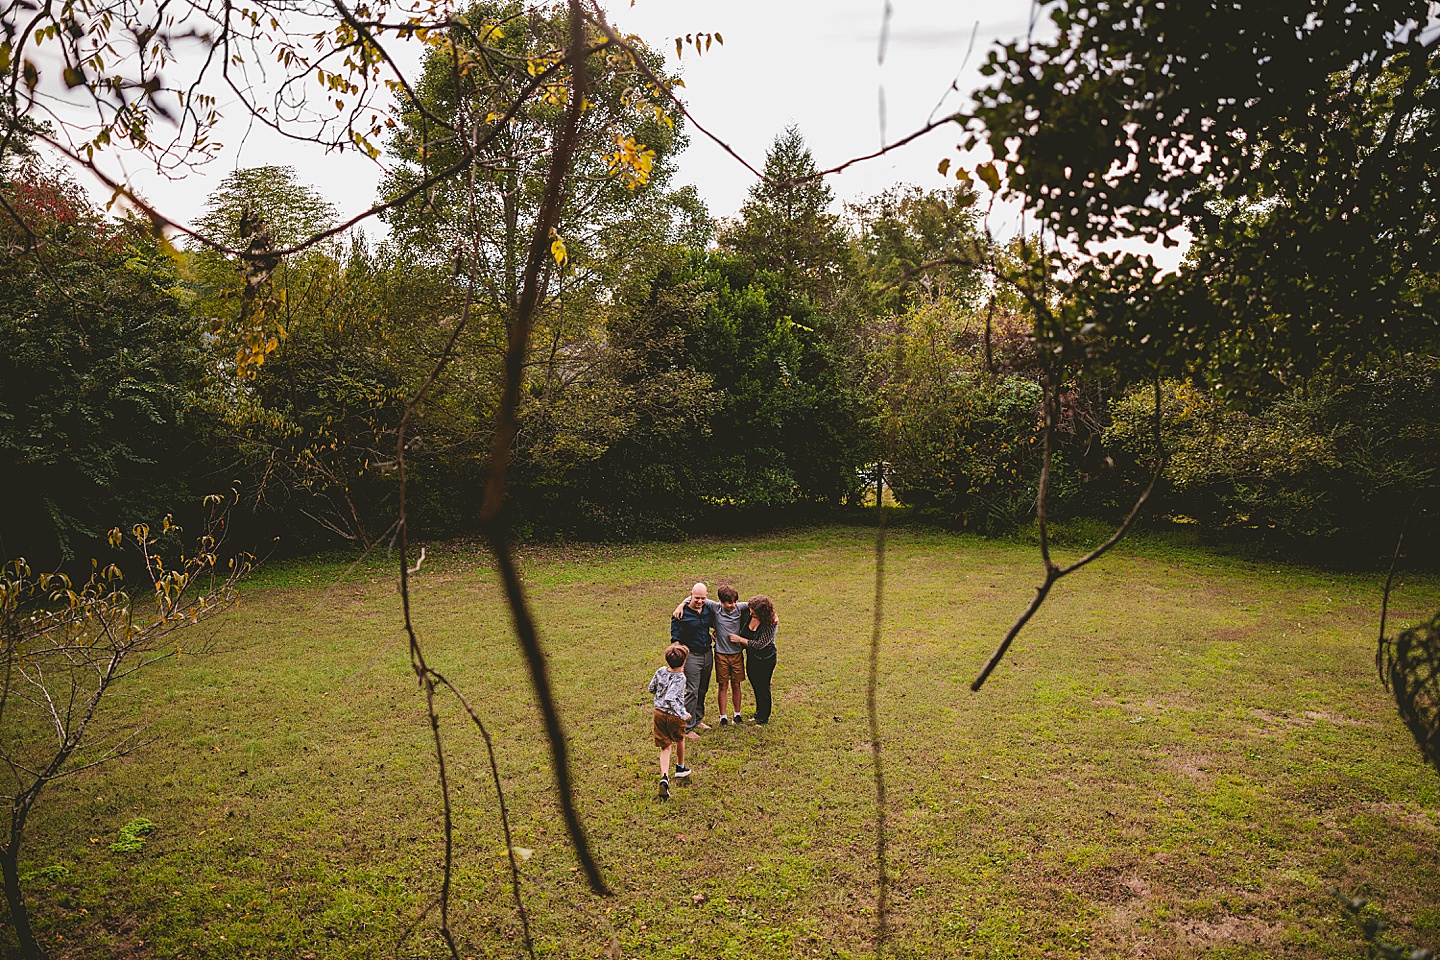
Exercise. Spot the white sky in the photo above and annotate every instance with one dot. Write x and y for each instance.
(809, 62)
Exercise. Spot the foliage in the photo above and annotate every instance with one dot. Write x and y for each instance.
(1298, 151)
(132, 836)
(629, 135)
(913, 241)
(103, 381)
(960, 394)
(787, 225)
(1409, 665)
(290, 210)
(786, 429)
(1374, 929)
(307, 428)
(1342, 460)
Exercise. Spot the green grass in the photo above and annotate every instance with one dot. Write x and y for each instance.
(1182, 755)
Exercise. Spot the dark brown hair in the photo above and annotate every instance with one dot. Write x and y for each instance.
(762, 609)
(675, 654)
(727, 593)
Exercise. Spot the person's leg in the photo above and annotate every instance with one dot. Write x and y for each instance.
(680, 753)
(694, 698)
(707, 666)
(761, 669)
(665, 758)
(722, 692)
(734, 695)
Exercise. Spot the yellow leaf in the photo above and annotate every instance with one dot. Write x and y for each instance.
(557, 248)
(944, 166)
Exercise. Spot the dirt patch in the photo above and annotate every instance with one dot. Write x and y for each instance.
(1198, 768)
(1305, 719)
(1313, 715)
(1227, 930)
(796, 694)
(1410, 814)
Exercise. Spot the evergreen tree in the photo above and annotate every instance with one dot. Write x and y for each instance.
(788, 225)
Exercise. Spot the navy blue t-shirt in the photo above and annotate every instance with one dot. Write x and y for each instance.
(693, 628)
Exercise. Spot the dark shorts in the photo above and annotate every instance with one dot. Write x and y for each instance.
(668, 729)
(729, 666)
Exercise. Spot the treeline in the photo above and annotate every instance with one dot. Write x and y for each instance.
(684, 375)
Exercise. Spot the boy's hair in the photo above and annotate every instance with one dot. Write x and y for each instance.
(728, 594)
(675, 654)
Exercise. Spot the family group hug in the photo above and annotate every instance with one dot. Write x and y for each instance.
(731, 639)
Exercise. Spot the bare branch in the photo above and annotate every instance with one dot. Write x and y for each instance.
(1054, 573)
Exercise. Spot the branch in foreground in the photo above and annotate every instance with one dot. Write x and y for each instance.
(609, 31)
(1409, 667)
(1054, 573)
(882, 867)
(492, 512)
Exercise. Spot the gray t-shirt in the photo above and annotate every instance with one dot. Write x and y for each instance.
(728, 623)
(669, 690)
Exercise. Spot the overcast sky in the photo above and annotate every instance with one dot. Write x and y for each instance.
(808, 62)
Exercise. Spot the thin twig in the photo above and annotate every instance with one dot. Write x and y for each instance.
(1052, 572)
(1389, 579)
(882, 869)
(666, 88)
(504, 812)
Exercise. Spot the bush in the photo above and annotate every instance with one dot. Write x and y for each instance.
(1334, 463)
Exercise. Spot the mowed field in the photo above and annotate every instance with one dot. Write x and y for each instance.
(1182, 756)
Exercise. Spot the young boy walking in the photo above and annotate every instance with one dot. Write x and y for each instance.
(668, 686)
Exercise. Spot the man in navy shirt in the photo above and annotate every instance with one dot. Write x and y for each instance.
(694, 628)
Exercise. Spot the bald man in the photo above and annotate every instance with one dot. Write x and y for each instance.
(695, 628)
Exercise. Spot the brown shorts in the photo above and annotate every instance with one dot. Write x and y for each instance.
(668, 729)
(729, 666)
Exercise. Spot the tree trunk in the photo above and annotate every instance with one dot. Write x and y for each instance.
(19, 917)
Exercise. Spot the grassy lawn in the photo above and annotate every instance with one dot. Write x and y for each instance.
(1182, 756)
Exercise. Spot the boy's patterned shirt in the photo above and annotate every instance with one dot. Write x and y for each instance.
(669, 690)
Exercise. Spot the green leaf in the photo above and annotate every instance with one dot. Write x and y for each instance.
(991, 177)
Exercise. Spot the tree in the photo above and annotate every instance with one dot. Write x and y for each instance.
(1333, 465)
(788, 225)
(1299, 150)
(63, 648)
(627, 140)
(784, 405)
(103, 382)
(913, 240)
(309, 405)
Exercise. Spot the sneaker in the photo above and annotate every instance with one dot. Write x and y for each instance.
(724, 721)
(738, 719)
(665, 786)
(681, 771)
(703, 725)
